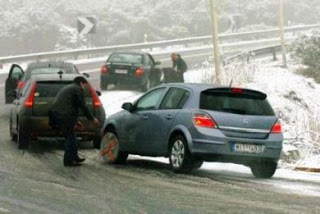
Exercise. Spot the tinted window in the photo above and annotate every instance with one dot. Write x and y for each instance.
(49, 89)
(126, 58)
(175, 99)
(235, 104)
(149, 101)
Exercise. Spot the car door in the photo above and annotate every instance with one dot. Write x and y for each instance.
(172, 103)
(15, 74)
(140, 125)
(155, 72)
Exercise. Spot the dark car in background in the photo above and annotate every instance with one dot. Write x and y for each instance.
(192, 123)
(29, 112)
(130, 68)
(17, 76)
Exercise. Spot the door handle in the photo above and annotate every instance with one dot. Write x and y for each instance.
(145, 116)
(169, 117)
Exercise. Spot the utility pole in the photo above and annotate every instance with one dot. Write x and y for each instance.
(216, 50)
(282, 36)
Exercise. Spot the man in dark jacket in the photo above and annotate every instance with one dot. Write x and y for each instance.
(179, 65)
(63, 116)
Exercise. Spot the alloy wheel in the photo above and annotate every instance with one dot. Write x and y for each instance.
(177, 154)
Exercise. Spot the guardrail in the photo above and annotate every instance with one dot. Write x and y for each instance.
(75, 54)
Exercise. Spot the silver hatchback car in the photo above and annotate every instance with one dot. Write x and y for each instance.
(192, 123)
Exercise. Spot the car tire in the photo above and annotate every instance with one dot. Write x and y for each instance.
(22, 139)
(110, 150)
(197, 164)
(103, 85)
(146, 86)
(12, 135)
(264, 169)
(181, 161)
(96, 142)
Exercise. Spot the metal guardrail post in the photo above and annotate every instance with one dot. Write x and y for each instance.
(274, 53)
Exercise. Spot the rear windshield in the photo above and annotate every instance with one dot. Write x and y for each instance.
(236, 104)
(51, 89)
(126, 58)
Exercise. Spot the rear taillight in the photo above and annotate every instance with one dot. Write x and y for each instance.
(96, 101)
(276, 128)
(20, 84)
(204, 120)
(29, 102)
(139, 71)
(104, 69)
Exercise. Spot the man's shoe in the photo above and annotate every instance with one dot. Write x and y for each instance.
(67, 164)
(79, 160)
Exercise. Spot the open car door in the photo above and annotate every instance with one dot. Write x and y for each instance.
(15, 74)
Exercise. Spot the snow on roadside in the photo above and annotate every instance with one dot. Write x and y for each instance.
(296, 99)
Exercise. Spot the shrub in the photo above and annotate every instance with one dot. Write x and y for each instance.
(307, 49)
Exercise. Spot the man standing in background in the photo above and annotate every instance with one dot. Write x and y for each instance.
(179, 66)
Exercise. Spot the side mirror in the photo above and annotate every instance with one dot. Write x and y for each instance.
(12, 93)
(157, 63)
(127, 107)
(98, 93)
(86, 75)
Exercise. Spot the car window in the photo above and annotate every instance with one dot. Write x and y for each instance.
(235, 104)
(49, 89)
(150, 101)
(175, 99)
(125, 58)
(17, 73)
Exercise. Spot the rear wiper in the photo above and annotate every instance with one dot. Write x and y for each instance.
(235, 111)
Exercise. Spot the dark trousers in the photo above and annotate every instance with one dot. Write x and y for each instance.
(65, 125)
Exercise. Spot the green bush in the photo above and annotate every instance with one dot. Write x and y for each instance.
(307, 49)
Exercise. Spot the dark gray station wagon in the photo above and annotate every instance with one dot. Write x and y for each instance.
(192, 123)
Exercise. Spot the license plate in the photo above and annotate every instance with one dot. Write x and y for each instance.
(121, 71)
(247, 148)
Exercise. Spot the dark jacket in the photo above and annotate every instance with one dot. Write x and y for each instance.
(68, 102)
(180, 65)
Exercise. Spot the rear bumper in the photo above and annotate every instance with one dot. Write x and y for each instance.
(35, 127)
(213, 145)
(123, 79)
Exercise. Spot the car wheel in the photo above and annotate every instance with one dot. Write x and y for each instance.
(22, 139)
(146, 86)
(264, 169)
(109, 149)
(12, 135)
(103, 85)
(180, 158)
(96, 142)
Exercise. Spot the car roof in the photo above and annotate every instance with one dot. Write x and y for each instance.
(129, 52)
(193, 86)
(200, 87)
(50, 63)
(54, 77)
